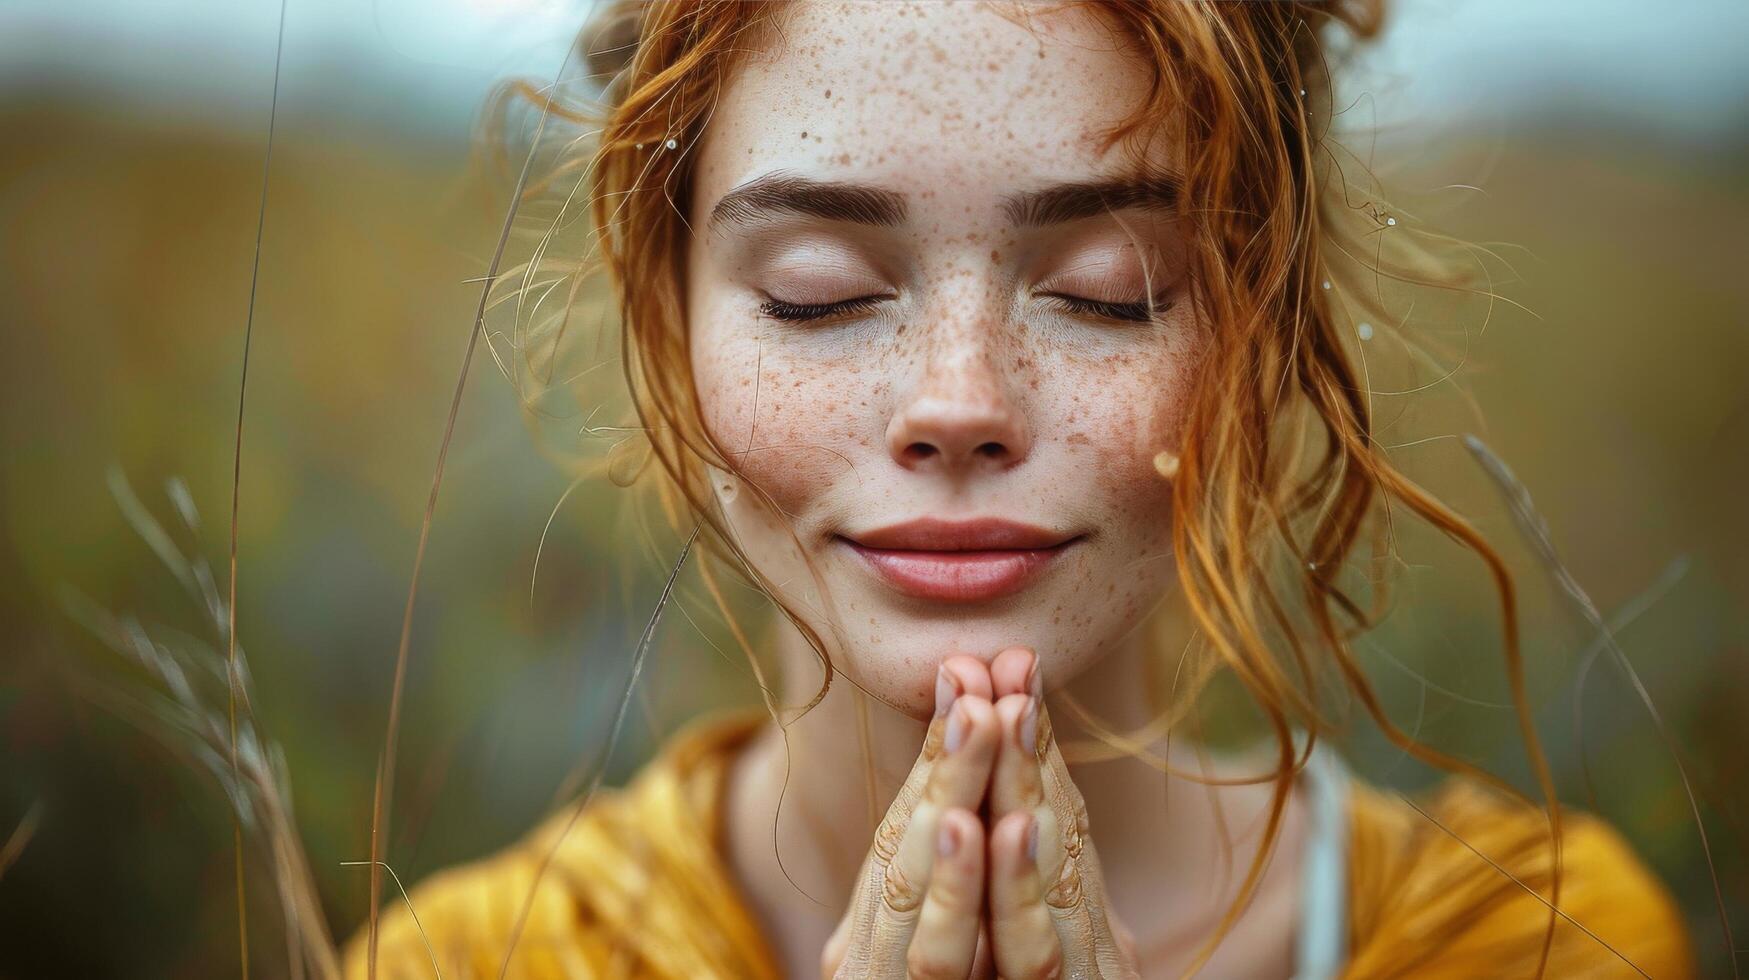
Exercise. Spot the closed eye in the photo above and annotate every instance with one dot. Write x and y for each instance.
(796, 312)
(1138, 312)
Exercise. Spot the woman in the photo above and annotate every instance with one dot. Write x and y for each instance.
(973, 334)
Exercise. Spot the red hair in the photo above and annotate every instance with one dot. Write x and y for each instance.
(1278, 477)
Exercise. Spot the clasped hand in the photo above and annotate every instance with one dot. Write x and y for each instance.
(983, 864)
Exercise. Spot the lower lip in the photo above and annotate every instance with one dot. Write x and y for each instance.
(959, 576)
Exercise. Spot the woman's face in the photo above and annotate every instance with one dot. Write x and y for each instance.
(907, 308)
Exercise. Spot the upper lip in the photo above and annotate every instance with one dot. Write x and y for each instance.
(981, 534)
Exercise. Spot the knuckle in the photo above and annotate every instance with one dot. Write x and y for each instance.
(888, 836)
(937, 791)
(1076, 828)
(953, 892)
(1066, 892)
(901, 895)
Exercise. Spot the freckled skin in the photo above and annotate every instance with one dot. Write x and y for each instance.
(954, 107)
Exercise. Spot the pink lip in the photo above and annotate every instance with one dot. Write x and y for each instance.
(959, 561)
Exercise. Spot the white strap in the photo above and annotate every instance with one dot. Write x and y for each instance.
(1321, 945)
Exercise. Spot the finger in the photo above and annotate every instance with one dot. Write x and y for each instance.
(945, 943)
(1017, 782)
(960, 776)
(1031, 778)
(883, 907)
(1038, 887)
(1063, 798)
(892, 890)
(971, 674)
(959, 779)
(1012, 671)
(1075, 891)
(957, 676)
(1022, 929)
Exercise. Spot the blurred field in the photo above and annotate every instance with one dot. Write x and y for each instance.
(125, 247)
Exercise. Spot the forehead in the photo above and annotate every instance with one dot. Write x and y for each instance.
(943, 101)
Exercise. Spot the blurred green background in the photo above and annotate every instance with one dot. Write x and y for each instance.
(1604, 148)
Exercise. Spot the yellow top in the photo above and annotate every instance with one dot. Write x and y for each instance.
(638, 889)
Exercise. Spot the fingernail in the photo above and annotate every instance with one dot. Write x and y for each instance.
(1032, 840)
(957, 723)
(1035, 680)
(947, 839)
(946, 689)
(1028, 726)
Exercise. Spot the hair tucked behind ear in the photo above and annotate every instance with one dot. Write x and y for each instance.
(1278, 478)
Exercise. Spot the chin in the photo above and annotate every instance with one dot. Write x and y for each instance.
(895, 657)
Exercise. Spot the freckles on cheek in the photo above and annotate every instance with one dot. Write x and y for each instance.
(1138, 412)
(790, 431)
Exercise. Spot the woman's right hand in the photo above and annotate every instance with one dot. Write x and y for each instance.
(917, 909)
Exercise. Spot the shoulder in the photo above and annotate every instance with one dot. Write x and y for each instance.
(630, 880)
(1457, 885)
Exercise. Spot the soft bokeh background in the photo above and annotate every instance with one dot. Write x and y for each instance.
(1601, 146)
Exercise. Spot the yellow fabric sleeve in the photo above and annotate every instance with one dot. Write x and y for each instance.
(634, 889)
(1434, 900)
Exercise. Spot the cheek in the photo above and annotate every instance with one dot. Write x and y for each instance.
(1134, 410)
(788, 425)
(1126, 408)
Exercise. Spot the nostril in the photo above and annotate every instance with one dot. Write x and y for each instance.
(957, 433)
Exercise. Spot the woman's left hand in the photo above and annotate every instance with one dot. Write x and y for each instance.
(1049, 912)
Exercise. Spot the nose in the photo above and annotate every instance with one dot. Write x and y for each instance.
(961, 416)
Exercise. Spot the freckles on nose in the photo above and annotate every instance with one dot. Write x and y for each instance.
(962, 412)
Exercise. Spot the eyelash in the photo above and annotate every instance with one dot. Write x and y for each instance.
(801, 312)
(1127, 312)
(797, 312)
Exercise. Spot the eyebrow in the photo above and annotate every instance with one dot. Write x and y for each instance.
(1068, 202)
(782, 192)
